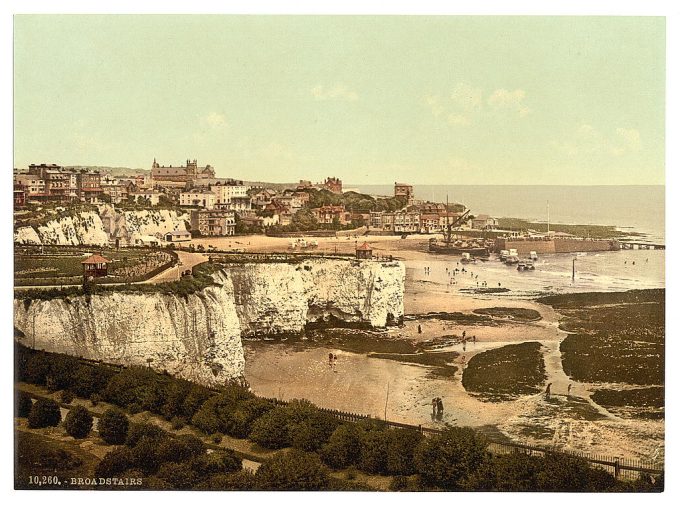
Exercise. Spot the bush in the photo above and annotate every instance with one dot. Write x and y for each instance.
(401, 447)
(113, 426)
(22, 404)
(445, 459)
(309, 428)
(137, 431)
(373, 458)
(179, 449)
(136, 385)
(343, 448)
(95, 399)
(67, 397)
(88, 380)
(515, 472)
(293, 470)
(145, 455)
(399, 483)
(114, 463)
(271, 429)
(78, 422)
(177, 423)
(563, 473)
(44, 413)
(216, 438)
(180, 475)
(217, 462)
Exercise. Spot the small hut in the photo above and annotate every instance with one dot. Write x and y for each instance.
(95, 266)
(364, 252)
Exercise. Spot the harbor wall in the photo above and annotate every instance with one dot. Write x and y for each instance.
(558, 245)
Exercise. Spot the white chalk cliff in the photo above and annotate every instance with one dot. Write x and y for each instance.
(198, 337)
(87, 228)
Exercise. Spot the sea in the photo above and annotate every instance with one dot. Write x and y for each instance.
(639, 209)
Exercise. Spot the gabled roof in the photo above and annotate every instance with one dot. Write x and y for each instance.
(96, 259)
(364, 247)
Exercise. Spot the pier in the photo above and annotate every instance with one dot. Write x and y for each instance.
(641, 245)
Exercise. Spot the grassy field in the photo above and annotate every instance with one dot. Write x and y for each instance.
(506, 373)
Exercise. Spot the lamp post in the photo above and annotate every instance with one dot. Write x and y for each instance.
(573, 269)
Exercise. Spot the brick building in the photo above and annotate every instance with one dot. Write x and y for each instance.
(213, 222)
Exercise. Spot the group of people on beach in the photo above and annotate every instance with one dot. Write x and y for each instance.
(452, 272)
(548, 391)
(332, 359)
(437, 408)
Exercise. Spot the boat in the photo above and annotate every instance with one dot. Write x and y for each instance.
(512, 260)
(450, 246)
(467, 259)
(533, 255)
(525, 265)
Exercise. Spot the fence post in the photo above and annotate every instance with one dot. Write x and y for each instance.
(420, 428)
(617, 467)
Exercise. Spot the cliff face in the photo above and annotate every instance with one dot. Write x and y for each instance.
(196, 338)
(87, 228)
(280, 297)
(199, 337)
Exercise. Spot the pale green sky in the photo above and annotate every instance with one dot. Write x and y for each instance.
(429, 100)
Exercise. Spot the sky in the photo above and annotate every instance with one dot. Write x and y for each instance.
(372, 100)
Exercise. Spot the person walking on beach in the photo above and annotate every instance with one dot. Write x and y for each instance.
(463, 334)
(440, 407)
(474, 339)
(569, 390)
(434, 407)
(420, 329)
(330, 359)
(547, 391)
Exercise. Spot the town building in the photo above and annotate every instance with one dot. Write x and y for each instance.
(328, 215)
(33, 186)
(213, 222)
(198, 198)
(95, 266)
(333, 184)
(184, 173)
(484, 222)
(231, 195)
(404, 190)
(264, 197)
(364, 252)
(178, 236)
(88, 185)
(117, 191)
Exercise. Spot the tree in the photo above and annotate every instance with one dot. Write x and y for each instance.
(401, 447)
(113, 426)
(304, 219)
(78, 422)
(22, 404)
(445, 459)
(374, 445)
(271, 429)
(44, 413)
(178, 474)
(293, 470)
(114, 463)
(343, 448)
(309, 428)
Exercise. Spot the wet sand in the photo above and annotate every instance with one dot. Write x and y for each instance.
(359, 384)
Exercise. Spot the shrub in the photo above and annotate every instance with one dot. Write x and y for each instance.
(36, 368)
(44, 413)
(373, 457)
(293, 470)
(401, 446)
(217, 462)
(343, 448)
(177, 423)
(171, 449)
(114, 463)
(563, 473)
(271, 429)
(309, 428)
(137, 385)
(515, 472)
(22, 404)
(113, 426)
(95, 399)
(78, 422)
(137, 431)
(88, 381)
(216, 438)
(67, 397)
(445, 459)
(145, 455)
(180, 475)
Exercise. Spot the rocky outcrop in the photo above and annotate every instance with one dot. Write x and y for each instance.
(87, 228)
(198, 337)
